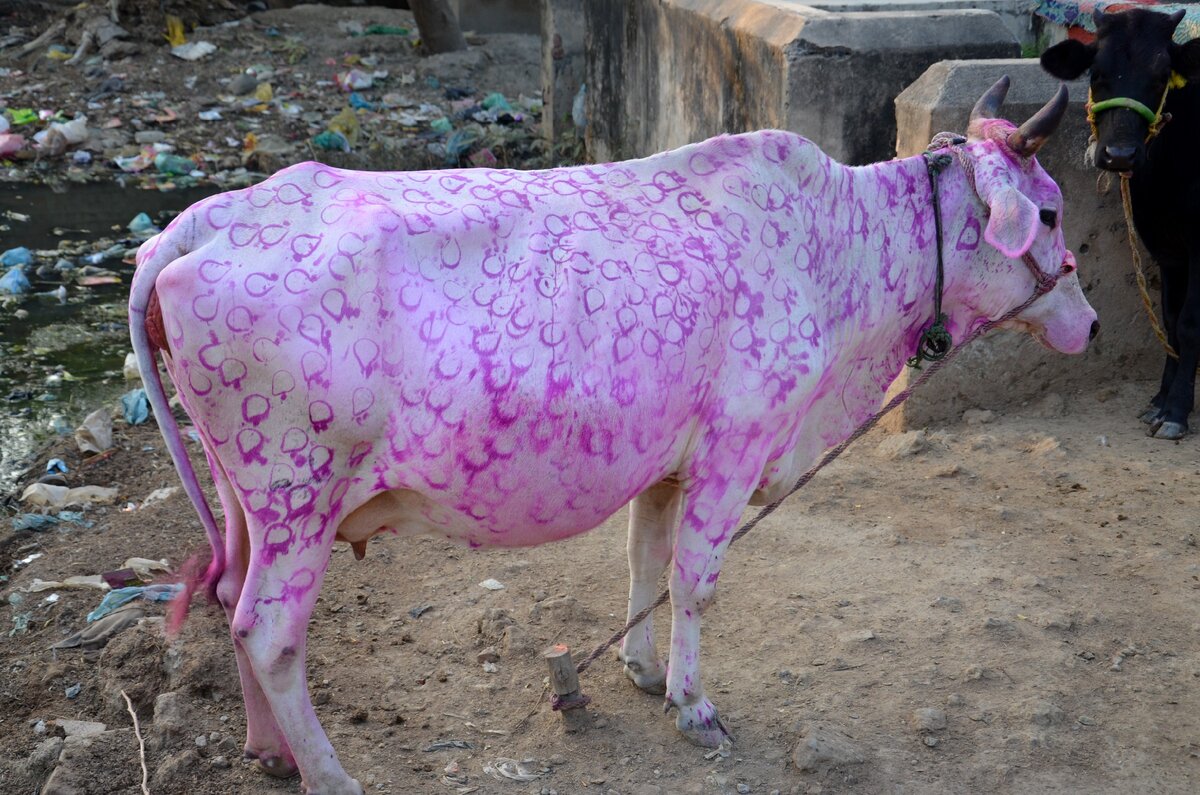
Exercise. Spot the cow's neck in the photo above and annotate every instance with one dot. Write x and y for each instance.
(883, 293)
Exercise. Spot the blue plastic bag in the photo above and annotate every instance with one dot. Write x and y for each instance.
(15, 282)
(121, 596)
(136, 406)
(16, 256)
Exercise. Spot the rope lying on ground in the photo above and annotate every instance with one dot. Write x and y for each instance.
(870, 423)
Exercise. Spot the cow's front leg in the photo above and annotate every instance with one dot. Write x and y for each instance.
(1182, 318)
(710, 517)
(653, 517)
(271, 625)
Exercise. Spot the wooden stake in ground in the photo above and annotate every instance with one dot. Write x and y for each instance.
(564, 682)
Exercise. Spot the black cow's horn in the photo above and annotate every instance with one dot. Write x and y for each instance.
(1030, 136)
(988, 106)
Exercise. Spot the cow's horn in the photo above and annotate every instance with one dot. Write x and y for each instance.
(1030, 136)
(988, 106)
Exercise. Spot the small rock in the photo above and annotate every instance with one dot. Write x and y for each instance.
(931, 741)
(220, 762)
(174, 769)
(1045, 713)
(150, 136)
(1050, 406)
(956, 700)
(43, 757)
(201, 741)
(73, 691)
(1047, 446)
(492, 585)
(743, 788)
(928, 719)
(855, 636)
(978, 416)
(823, 747)
(902, 445)
(947, 603)
(1056, 621)
(488, 655)
(79, 727)
(999, 625)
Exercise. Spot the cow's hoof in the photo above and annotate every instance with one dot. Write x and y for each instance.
(649, 678)
(273, 765)
(1168, 430)
(1150, 415)
(702, 726)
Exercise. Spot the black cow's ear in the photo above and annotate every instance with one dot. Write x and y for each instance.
(1185, 59)
(1068, 59)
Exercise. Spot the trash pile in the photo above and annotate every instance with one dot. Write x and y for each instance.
(84, 99)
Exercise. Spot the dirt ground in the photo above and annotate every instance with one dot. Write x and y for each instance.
(276, 81)
(1027, 579)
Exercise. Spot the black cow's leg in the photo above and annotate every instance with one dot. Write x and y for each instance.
(1181, 315)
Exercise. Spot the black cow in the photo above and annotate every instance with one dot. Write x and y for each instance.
(1134, 58)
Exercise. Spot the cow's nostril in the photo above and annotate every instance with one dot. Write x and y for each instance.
(1095, 330)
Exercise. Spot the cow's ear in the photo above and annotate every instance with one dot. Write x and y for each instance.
(1068, 59)
(1013, 223)
(1185, 59)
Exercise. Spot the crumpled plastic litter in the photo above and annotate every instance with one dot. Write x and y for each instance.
(174, 165)
(136, 406)
(164, 592)
(458, 144)
(40, 521)
(346, 123)
(95, 435)
(503, 767)
(45, 495)
(355, 80)
(330, 141)
(78, 581)
(97, 635)
(20, 624)
(194, 50)
(496, 101)
(16, 256)
(11, 143)
(15, 282)
(57, 465)
(142, 225)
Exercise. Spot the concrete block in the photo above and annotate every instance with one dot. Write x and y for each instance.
(1017, 15)
(662, 73)
(562, 62)
(1007, 367)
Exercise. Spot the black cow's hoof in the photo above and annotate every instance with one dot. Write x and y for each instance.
(1170, 431)
(1149, 415)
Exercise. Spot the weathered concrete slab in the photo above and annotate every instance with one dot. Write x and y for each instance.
(1017, 15)
(1007, 367)
(662, 73)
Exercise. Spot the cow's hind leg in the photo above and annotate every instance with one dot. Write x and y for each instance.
(653, 517)
(286, 568)
(264, 740)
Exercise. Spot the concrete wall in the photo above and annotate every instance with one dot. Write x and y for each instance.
(497, 16)
(662, 73)
(1005, 366)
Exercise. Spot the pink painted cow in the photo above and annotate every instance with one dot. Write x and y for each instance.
(506, 358)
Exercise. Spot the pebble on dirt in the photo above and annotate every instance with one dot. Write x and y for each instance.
(823, 747)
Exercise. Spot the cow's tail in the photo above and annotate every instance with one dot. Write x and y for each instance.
(147, 333)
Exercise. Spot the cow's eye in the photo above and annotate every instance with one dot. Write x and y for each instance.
(1067, 269)
(1049, 216)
